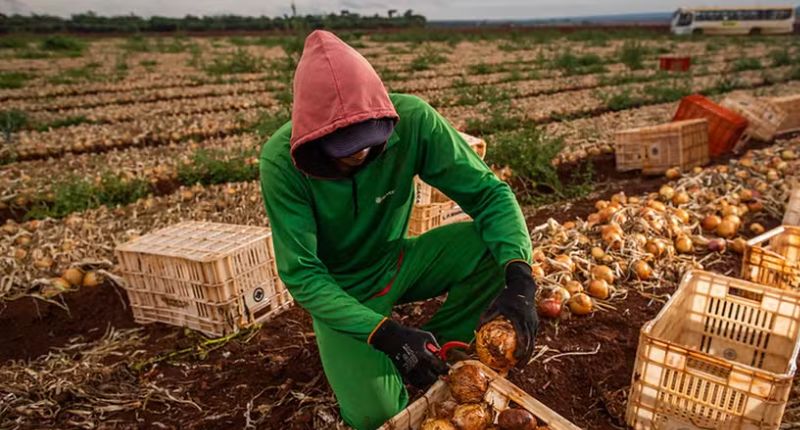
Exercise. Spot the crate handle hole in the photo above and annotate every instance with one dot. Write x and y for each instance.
(746, 294)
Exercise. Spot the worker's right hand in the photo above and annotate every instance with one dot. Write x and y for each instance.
(412, 351)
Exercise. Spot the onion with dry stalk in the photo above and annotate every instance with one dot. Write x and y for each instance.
(580, 304)
(549, 307)
(642, 270)
(472, 416)
(726, 229)
(598, 288)
(573, 287)
(73, 275)
(495, 343)
(711, 222)
(757, 228)
(739, 245)
(717, 245)
(91, 279)
(603, 272)
(516, 419)
(684, 244)
(468, 383)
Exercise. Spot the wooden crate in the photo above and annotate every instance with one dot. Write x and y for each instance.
(776, 263)
(674, 63)
(426, 194)
(725, 127)
(681, 144)
(792, 214)
(720, 355)
(791, 106)
(763, 117)
(211, 277)
(429, 216)
(500, 394)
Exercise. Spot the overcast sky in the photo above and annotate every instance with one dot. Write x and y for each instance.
(433, 9)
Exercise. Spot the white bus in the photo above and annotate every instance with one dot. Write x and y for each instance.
(743, 20)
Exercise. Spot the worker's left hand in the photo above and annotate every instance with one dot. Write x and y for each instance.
(516, 303)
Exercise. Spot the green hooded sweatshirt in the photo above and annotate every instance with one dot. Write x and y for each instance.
(338, 238)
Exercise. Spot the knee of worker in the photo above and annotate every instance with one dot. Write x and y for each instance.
(370, 411)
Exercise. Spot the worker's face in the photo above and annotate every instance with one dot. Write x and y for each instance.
(354, 160)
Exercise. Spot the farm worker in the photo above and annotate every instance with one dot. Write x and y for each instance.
(338, 186)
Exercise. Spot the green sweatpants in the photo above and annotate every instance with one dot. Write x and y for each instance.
(451, 259)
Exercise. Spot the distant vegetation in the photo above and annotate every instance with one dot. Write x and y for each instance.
(92, 23)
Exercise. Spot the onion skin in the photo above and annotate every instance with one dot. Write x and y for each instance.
(495, 344)
(445, 409)
(726, 229)
(472, 416)
(516, 419)
(437, 424)
(711, 222)
(468, 384)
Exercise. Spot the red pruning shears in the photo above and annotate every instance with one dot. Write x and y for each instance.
(442, 352)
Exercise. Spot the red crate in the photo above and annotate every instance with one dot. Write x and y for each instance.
(674, 63)
(725, 127)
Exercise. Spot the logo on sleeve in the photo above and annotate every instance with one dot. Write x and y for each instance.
(379, 200)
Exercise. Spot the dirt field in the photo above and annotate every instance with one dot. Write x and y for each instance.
(127, 135)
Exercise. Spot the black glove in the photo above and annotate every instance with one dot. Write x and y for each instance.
(410, 351)
(516, 303)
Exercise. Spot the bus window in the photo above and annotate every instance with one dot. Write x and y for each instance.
(684, 19)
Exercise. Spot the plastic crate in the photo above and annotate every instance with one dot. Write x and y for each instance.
(791, 106)
(674, 63)
(500, 394)
(792, 214)
(681, 144)
(211, 277)
(429, 216)
(725, 127)
(426, 194)
(763, 117)
(774, 264)
(720, 355)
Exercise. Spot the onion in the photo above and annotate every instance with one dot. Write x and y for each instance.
(739, 245)
(730, 210)
(642, 270)
(516, 419)
(565, 262)
(444, 409)
(746, 195)
(598, 288)
(537, 271)
(682, 215)
(757, 228)
(666, 192)
(673, 173)
(773, 175)
(639, 239)
(606, 213)
(655, 247)
(539, 256)
(684, 245)
(60, 284)
(559, 293)
(717, 245)
(549, 307)
(604, 273)
(681, 198)
(73, 275)
(711, 222)
(573, 287)
(726, 229)
(600, 205)
(580, 304)
(472, 416)
(20, 254)
(91, 279)
(619, 198)
(656, 205)
(437, 424)
(468, 384)
(495, 344)
(598, 253)
(755, 206)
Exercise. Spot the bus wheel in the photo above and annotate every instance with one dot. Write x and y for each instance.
(755, 31)
(697, 32)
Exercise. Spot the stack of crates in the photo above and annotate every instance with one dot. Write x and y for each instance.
(763, 117)
(211, 277)
(432, 208)
(721, 354)
(791, 106)
(658, 148)
(725, 127)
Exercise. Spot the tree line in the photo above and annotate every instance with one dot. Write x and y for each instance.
(90, 22)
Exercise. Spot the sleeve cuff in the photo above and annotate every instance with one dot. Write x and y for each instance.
(377, 326)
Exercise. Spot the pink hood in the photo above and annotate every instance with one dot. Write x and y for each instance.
(334, 86)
